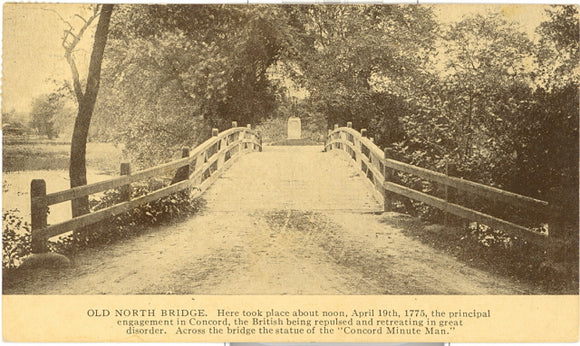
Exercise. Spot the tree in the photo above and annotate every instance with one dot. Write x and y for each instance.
(359, 63)
(192, 67)
(486, 83)
(86, 102)
(550, 133)
(44, 113)
(558, 51)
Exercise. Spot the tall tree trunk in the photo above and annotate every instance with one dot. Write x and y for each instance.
(77, 169)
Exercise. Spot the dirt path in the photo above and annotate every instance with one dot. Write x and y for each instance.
(295, 221)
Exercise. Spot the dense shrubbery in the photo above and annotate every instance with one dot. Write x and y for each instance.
(549, 266)
(130, 223)
(15, 238)
(553, 264)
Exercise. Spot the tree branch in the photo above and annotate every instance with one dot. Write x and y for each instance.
(69, 48)
(78, 89)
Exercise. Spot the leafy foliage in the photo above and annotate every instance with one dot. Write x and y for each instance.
(192, 74)
(551, 266)
(15, 238)
(558, 51)
(358, 63)
(49, 116)
(492, 113)
(131, 223)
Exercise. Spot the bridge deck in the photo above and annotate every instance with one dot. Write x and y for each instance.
(301, 178)
(289, 220)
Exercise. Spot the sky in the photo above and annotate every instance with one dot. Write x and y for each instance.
(33, 55)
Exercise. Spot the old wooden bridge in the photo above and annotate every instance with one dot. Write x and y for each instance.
(279, 219)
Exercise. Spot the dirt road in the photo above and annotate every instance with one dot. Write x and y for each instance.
(290, 220)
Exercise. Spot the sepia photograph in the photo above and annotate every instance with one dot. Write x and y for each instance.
(300, 149)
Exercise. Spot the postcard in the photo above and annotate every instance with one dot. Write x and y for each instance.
(290, 173)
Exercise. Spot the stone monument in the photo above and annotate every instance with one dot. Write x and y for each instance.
(294, 128)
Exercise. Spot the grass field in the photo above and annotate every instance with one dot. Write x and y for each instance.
(54, 155)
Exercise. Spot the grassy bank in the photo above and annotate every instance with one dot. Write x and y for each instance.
(34, 155)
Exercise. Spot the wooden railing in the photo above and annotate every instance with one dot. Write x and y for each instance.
(379, 167)
(199, 169)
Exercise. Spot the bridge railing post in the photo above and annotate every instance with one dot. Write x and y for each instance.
(221, 155)
(335, 136)
(125, 190)
(182, 173)
(38, 215)
(450, 193)
(336, 144)
(234, 125)
(260, 140)
(326, 140)
(245, 137)
(388, 176)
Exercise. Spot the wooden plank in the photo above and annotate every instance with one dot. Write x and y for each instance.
(167, 168)
(209, 181)
(97, 216)
(331, 142)
(89, 219)
(376, 172)
(388, 176)
(366, 141)
(472, 187)
(361, 158)
(377, 183)
(66, 195)
(205, 165)
(377, 160)
(459, 210)
(373, 148)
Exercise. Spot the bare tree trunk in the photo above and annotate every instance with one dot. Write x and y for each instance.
(77, 169)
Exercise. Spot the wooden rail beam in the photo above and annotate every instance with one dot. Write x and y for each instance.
(220, 144)
(163, 169)
(89, 219)
(472, 187)
(459, 210)
(380, 164)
